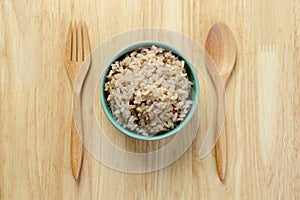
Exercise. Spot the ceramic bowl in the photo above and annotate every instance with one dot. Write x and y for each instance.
(192, 75)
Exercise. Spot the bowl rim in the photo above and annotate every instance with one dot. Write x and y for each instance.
(134, 46)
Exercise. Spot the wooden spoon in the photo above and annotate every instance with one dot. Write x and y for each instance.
(221, 47)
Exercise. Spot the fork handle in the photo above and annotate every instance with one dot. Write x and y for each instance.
(76, 151)
(221, 154)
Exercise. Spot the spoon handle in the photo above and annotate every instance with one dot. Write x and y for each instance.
(221, 154)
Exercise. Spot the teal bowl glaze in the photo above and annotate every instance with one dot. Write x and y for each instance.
(192, 75)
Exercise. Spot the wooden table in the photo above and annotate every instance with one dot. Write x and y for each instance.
(263, 101)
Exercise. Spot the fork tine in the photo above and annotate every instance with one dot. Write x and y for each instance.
(74, 43)
(79, 41)
(86, 42)
(68, 49)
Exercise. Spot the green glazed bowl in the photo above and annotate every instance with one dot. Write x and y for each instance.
(191, 75)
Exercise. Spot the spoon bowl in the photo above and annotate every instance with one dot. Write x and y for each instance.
(220, 45)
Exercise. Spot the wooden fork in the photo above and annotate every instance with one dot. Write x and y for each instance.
(77, 51)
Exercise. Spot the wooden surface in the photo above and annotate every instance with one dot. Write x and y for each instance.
(263, 101)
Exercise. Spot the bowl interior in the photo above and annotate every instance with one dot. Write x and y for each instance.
(192, 75)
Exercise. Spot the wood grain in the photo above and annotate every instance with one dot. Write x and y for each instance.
(263, 101)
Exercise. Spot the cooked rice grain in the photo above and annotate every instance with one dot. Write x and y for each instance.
(148, 91)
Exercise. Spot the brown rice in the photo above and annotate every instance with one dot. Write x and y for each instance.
(148, 91)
